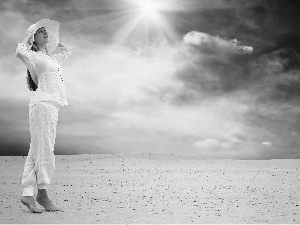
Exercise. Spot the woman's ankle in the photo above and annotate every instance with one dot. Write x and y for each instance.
(42, 192)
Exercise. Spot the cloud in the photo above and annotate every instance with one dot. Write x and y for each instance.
(276, 75)
(208, 143)
(267, 84)
(266, 143)
(210, 43)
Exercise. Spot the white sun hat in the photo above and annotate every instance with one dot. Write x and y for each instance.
(52, 28)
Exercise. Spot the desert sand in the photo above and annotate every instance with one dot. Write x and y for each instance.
(156, 188)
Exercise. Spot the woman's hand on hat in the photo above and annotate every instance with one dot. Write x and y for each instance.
(26, 40)
(61, 45)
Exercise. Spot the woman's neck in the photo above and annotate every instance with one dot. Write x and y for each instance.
(42, 48)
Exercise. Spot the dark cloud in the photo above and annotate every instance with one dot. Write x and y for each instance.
(278, 124)
(65, 11)
(270, 82)
(276, 76)
(215, 67)
(264, 24)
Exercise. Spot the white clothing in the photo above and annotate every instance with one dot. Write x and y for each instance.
(46, 73)
(40, 162)
(43, 114)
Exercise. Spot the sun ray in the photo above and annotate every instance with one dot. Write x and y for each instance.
(122, 34)
(141, 21)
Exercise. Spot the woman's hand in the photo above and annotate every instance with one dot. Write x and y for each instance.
(61, 45)
(26, 40)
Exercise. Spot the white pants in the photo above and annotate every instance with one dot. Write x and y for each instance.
(40, 162)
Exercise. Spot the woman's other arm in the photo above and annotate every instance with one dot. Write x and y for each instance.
(66, 52)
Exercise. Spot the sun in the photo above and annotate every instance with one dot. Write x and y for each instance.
(149, 8)
(144, 21)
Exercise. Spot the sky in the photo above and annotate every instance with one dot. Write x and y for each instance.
(214, 78)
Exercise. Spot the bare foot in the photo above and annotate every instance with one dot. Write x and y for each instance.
(43, 200)
(29, 202)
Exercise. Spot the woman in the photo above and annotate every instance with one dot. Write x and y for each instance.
(44, 76)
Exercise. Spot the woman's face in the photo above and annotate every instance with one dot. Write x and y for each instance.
(41, 36)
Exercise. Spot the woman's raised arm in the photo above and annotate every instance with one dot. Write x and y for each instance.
(25, 54)
(66, 52)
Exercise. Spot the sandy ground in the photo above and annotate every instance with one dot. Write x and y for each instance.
(151, 188)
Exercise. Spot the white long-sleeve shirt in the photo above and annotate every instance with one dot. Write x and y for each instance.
(46, 73)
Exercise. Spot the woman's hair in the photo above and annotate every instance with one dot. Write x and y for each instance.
(31, 85)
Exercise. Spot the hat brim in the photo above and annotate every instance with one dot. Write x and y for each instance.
(52, 28)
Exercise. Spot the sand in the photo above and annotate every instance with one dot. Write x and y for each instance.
(152, 188)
